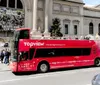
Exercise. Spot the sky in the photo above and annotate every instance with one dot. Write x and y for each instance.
(91, 2)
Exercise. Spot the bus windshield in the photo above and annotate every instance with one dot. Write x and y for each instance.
(18, 34)
(23, 34)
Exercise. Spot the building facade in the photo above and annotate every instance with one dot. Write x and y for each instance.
(76, 18)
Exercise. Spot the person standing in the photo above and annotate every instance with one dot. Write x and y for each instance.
(2, 56)
(8, 56)
(5, 56)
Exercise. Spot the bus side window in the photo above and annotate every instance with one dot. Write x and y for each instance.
(26, 55)
(86, 51)
(24, 34)
(48, 52)
(31, 53)
(23, 55)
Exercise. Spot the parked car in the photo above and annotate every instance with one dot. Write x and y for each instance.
(96, 80)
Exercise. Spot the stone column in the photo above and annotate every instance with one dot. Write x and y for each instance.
(81, 21)
(28, 18)
(71, 28)
(46, 16)
(7, 3)
(15, 4)
(34, 27)
(46, 33)
(81, 27)
(62, 26)
(50, 13)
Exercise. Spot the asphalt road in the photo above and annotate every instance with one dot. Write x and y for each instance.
(81, 76)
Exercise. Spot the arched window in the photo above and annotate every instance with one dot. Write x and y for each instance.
(19, 4)
(66, 28)
(66, 25)
(91, 28)
(75, 29)
(99, 29)
(11, 4)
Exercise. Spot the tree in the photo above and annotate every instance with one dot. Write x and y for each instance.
(55, 28)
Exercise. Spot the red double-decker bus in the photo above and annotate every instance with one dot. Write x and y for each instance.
(43, 55)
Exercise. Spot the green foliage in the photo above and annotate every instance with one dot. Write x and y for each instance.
(55, 28)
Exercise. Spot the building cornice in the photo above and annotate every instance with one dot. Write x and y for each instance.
(76, 2)
(71, 1)
(92, 17)
(91, 8)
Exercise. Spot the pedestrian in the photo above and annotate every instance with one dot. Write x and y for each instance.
(6, 58)
(2, 56)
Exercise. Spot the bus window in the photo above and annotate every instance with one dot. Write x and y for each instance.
(19, 34)
(86, 51)
(31, 53)
(24, 34)
(71, 52)
(62, 52)
(76, 51)
(45, 53)
(23, 56)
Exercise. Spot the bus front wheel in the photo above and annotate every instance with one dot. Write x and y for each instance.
(43, 67)
(97, 62)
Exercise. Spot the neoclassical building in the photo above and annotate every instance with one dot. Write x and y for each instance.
(76, 18)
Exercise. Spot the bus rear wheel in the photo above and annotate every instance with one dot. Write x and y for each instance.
(43, 67)
(97, 62)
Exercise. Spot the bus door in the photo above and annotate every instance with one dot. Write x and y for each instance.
(25, 60)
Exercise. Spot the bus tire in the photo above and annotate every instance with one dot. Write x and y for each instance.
(43, 67)
(97, 62)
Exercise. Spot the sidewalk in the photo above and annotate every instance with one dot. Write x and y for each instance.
(4, 67)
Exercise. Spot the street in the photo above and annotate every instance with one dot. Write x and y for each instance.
(79, 76)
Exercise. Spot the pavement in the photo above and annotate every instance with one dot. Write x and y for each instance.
(4, 67)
